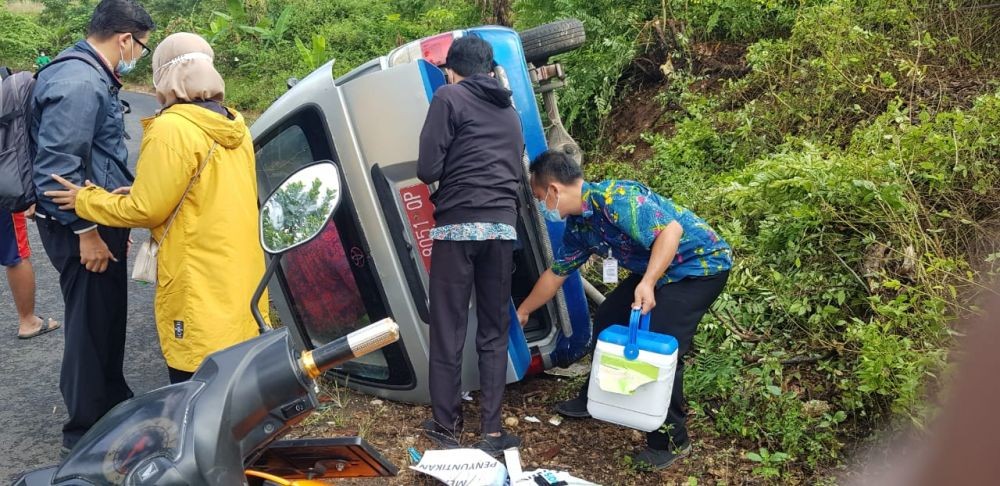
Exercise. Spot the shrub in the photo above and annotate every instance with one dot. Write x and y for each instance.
(850, 258)
(22, 40)
(860, 200)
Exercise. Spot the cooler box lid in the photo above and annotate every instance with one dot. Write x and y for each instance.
(647, 340)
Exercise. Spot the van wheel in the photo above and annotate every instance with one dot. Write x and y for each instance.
(542, 42)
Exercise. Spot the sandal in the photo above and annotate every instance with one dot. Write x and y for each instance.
(48, 325)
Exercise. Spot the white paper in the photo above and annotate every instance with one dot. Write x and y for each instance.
(532, 419)
(512, 458)
(462, 467)
(610, 271)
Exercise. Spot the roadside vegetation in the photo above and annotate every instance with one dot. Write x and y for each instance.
(847, 149)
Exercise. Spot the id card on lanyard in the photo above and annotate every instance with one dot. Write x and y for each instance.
(610, 269)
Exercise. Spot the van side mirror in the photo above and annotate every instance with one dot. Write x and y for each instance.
(298, 210)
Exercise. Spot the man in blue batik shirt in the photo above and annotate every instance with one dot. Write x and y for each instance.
(678, 266)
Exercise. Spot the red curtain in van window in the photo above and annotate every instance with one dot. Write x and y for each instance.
(323, 289)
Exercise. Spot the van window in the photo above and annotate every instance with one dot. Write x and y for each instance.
(329, 284)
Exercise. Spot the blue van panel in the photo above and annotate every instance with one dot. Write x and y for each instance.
(517, 348)
(508, 53)
(432, 76)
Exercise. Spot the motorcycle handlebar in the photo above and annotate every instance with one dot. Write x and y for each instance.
(358, 343)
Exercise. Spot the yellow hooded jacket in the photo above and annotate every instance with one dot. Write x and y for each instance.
(211, 260)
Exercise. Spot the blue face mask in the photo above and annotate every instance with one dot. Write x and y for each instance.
(551, 215)
(126, 67)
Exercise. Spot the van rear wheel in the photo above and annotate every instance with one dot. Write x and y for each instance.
(547, 40)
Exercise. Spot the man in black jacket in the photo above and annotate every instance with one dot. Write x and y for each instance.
(77, 131)
(471, 144)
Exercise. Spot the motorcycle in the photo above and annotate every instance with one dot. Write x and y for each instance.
(222, 426)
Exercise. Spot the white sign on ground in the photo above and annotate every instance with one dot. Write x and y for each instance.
(462, 467)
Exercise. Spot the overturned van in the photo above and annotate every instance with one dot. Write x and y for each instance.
(372, 260)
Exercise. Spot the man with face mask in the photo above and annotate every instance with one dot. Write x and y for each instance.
(678, 266)
(77, 132)
(471, 144)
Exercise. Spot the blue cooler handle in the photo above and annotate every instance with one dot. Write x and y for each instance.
(636, 321)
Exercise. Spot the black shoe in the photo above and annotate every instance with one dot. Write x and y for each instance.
(658, 459)
(495, 446)
(440, 436)
(575, 408)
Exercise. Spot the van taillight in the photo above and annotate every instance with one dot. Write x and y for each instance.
(536, 366)
(435, 49)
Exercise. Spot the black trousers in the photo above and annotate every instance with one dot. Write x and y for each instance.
(91, 380)
(456, 268)
(679, 308)
(178, 376)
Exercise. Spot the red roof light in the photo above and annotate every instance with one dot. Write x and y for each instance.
(435, 49)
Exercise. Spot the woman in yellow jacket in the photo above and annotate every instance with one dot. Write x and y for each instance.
(210, 262)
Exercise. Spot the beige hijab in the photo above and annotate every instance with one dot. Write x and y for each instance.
(183, 71)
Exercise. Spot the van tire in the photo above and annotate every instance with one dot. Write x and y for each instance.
(547, 40)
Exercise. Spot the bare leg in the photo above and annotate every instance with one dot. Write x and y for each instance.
(21, 278)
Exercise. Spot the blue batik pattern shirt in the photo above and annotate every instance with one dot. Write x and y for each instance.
(625, 217)
(474, 232)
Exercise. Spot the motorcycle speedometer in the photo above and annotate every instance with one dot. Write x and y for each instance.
(145, 427)
(154, 436)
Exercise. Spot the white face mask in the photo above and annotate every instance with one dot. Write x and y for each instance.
(191, 56)
(126, 67)
(551, 215)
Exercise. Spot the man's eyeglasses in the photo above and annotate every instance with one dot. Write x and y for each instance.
(145, 50)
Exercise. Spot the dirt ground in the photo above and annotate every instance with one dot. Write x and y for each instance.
(588, 449)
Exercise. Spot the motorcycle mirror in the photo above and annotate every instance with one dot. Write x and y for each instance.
(300, 207)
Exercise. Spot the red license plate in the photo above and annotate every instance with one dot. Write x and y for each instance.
(420, 213)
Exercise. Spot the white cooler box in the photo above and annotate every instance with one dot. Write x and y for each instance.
(632, 375)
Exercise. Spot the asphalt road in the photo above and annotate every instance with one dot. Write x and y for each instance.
(31, 407)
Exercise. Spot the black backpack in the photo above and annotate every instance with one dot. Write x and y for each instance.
(17, 190)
